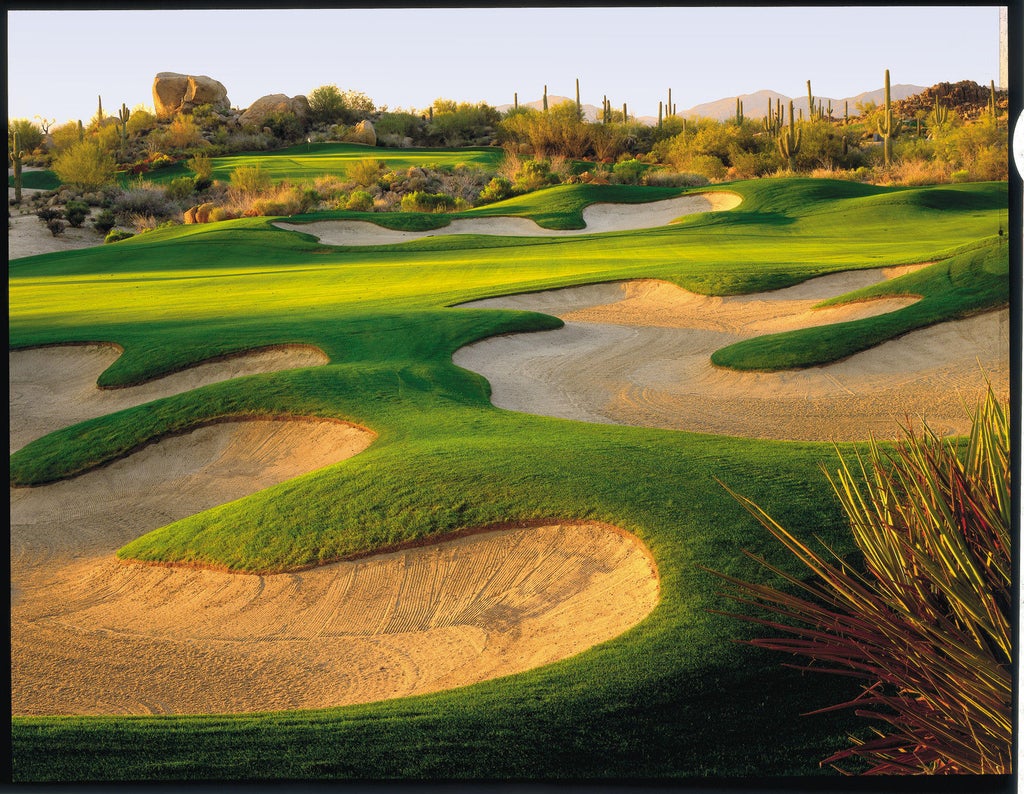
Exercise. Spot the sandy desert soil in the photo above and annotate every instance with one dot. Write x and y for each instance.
(596, 217)
(93, 635)
(638, 353)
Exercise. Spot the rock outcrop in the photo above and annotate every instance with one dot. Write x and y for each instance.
(174, 93)
(265, 106)
(363, 133)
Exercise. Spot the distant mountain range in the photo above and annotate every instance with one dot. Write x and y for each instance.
(755, 105)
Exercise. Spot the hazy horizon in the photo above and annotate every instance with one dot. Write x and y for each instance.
(407, 58)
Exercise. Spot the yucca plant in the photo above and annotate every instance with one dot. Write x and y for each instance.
(924, 621)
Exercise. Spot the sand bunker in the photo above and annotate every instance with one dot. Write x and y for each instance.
(93, 635)
(596, 217)
(638, 353)
(54, 387)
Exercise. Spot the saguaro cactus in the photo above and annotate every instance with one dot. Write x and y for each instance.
(789, 143)
(625, 118)
(81, 131)
(16, 153)
(739, 111)
(888, 127)
(545, 99)
(992, 109)
(810, 102)
(668, 107)
(99, 109)
(661, 106)
(940, 113)
(124, 114)
(515, 100)
(579, 106)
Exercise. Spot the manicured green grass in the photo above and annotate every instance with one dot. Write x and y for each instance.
(37, 180)
(309, 160)
(674, 696)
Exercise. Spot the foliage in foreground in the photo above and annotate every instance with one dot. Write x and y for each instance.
(927, 624)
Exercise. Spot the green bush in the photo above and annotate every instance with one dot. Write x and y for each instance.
(201, 165)
(421, 201)
(405, 125)
(365, 172)
(180, 188)
(31, 134)
(85, 165)
(497, 189)
(359, 201)
(114, 235)
(533, 175)
(249, 179)
(104, 221)
(628, 172)
(76, 212)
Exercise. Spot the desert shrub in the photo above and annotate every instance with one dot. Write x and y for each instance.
(533, 175)
(359, 201)
(46, 214)
(63, 137)
(85, 165)
(282, 200)
(628, 172)
(707, 165)
(140, 121)
(76, 212)
(201, 165)
(663, 178)
(325, 104)
(104, 221)
(928, 626)
(180, 188)
(497, 189)
(365, 172)
(31, 134)
(421, 201)
(285, 126)
(457, 122)
(404, 125)
(143, 199)
(56, 226)
(222, 214)
(181, 133)
(249, 179)
(115, 235)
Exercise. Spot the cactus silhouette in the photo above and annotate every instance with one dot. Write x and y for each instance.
(888, 127)
(16, 153)
(789, 143)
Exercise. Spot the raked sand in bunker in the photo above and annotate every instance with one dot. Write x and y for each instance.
(596, 217)
(638, 353)
(93, 635)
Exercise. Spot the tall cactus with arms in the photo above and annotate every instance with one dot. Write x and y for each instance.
(124, 114)
(16, 153)
(888, 127)
(789, 142)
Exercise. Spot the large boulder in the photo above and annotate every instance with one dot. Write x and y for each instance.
(363, 133)
(174, 93)
(265, 106)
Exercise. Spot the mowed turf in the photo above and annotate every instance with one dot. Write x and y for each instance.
(674, 697)
(305, 161)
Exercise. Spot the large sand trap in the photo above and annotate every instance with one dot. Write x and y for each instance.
(93, 635)
(638, 353)
(596, 217)
(54, 387)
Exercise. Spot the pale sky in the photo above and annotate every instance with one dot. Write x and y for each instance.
(59, 61)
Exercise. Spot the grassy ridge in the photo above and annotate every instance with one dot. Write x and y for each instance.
(305, 161)
(674, 696)
(953, 288)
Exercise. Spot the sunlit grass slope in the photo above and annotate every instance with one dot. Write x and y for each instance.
(305, 161)
(674, 696)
